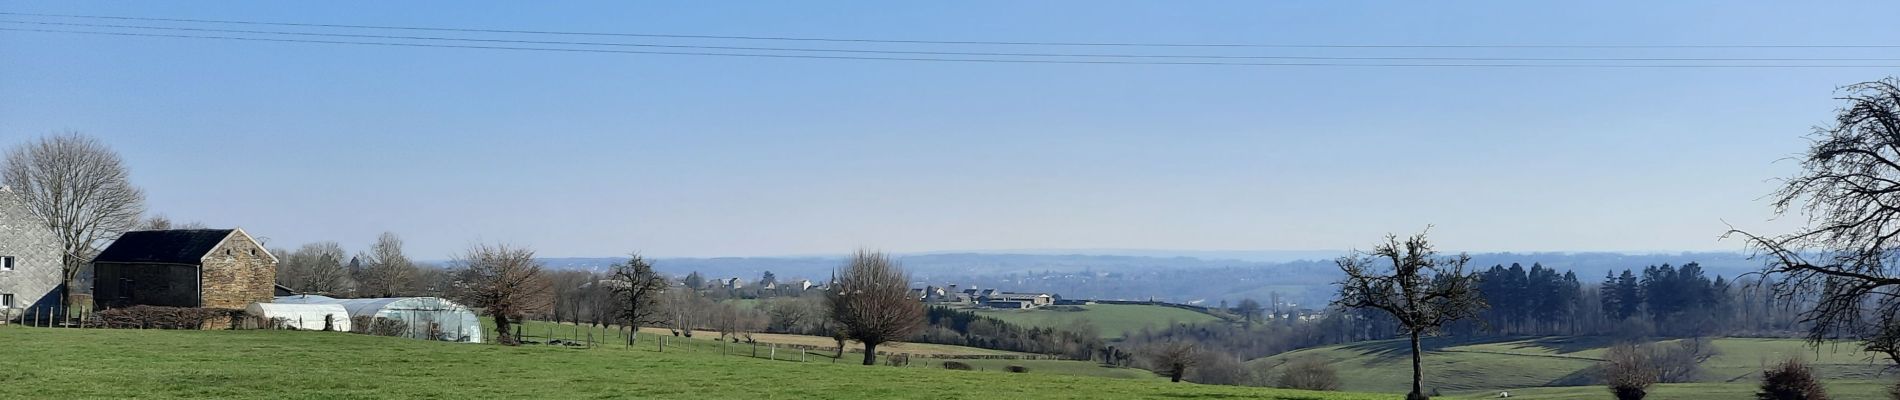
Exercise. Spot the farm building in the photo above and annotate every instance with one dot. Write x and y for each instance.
(211, 268)
(308, 317)
(431, 318)
(30, 271)
(1008, 304)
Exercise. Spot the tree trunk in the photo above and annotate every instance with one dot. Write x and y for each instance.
(1175, 375)
(503, 334)
(1417, 372)
(870, 353)
(840, 347)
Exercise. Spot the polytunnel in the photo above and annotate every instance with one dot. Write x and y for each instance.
(431, 318)
(309, 317)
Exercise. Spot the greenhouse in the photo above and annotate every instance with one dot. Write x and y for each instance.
(431, 318)
(309, 317)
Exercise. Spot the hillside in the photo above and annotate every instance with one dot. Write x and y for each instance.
(1487, 366)
(75, 363)
(1110, 319)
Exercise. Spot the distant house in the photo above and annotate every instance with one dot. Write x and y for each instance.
(1033, 299)
(802, 284)
(732, 283)
(917, 294)
(30, 265)
(211, 268)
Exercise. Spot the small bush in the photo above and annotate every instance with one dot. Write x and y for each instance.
(1629, 371)
(897, 360)
(1017, 369)
(378, 326)
(957, 366)
(1790, 380)
(1308, 373)
(1893, 392)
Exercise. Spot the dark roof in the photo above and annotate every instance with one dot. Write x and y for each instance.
(179, 246)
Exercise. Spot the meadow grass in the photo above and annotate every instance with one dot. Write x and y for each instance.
(153, 364)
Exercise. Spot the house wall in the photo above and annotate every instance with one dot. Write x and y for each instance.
(123, 285)
(238, 273)
(35, 278)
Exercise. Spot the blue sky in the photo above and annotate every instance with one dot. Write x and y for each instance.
(602, 154)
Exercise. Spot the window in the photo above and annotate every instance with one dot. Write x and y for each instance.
(6, 300)
(6, 263)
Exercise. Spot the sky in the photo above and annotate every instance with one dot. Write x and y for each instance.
(592, 154)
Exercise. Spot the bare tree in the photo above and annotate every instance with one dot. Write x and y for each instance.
(686, 310)
(80, 188)
(161, 223)
(637, 290)
(1421, 290)
(1849, 188)
(792, 315)
(871, 302)
(388, 272)
(507, 283)
(315, 268)
(1249, 310)
(1171, 359)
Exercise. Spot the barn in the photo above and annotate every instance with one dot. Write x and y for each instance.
(431, 318)
(211, 268)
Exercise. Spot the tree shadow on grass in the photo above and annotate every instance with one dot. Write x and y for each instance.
(1566, 344)
(1390, 350)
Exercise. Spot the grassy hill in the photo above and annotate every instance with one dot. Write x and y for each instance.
(1111, 319)
(1487, 366)
(152, 364)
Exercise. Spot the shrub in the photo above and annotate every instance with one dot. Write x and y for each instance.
(897, 360)
(1017, 369)
(955, 365)
(1790, 380)
(156, 317)
(1629, 372)
(1308, 373)
(1893, 392)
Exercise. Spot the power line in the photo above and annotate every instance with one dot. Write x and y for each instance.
(940, 53)
(967, 60)
(966, 42)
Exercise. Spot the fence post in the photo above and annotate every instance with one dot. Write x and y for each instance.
(755, 349)
(662, 344)
(774, 353)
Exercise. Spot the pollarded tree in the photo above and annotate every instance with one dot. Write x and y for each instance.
(1419, 289)
(1849, 189)
(871, 303)
(506, 282)
(315, 268)
(80, 189)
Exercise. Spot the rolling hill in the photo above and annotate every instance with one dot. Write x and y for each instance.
(1109, 319)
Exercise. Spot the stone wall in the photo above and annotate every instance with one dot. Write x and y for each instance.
(35, 278)
(238, 273)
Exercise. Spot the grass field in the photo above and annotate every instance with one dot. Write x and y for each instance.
(1485, 367)
(1111, 319)
(152, 364)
